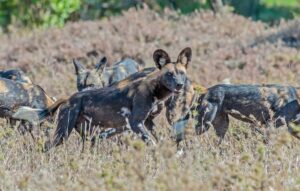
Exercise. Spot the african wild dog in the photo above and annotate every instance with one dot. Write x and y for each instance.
(89, 78)
(178, 108)
(249, 103)
(15, 75)
(14, 94)
(123, 105)
(119, 71)
(103, 76)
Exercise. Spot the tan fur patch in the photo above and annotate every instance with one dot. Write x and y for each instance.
(27, 86)
(49, 101)
(123, 83)
(265, 92)
(199, 88)
(180, 67)
(3, 88)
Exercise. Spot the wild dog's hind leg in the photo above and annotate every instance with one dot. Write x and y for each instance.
(207, 114)
(67, 119)
(221, 124)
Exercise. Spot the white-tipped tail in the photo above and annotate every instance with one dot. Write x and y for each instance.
(28, 114)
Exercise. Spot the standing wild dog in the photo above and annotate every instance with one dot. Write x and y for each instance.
(103, 76)
(122, 106)
(179, 108)
(89, 78)
(119, 71)
(14, 94)
(15, 75)
(256, 104)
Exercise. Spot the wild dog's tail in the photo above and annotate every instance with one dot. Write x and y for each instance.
(35, 116)
(67, 119)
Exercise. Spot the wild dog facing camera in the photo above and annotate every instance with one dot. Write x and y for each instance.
(174, 73)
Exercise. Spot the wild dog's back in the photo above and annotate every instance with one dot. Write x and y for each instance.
(16, 75)
(119, 71)
(259, 101)
(14, 94)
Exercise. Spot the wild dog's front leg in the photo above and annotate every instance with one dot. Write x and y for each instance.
(140, 112)
(179, 128)
(150, 125)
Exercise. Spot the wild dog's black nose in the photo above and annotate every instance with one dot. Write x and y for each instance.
(179, 86)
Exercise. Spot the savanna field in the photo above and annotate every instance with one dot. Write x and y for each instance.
(228, 47)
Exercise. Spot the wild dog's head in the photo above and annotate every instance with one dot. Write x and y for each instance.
(173, 73)
(179, 105)
(89, 78)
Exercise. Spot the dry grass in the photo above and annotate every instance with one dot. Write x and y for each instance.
(242, 162)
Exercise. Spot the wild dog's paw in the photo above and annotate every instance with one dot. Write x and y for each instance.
(148, 140)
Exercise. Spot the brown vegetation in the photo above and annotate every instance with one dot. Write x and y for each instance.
(220, 50)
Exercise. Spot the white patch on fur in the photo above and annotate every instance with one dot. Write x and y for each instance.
(226, 81)
(140, 125)
(28, 114)
(107, 132)
(179, 127)
(179, 153)
(297, 117)
(125, 112)
(154, 108)
(127, 126)
(154, 105)
(162, 61)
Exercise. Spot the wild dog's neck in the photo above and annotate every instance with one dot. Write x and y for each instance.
(161, 92)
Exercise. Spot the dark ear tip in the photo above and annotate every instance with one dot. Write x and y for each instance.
(103, 59)
(74, 61)
(188, 49)
(158, 52)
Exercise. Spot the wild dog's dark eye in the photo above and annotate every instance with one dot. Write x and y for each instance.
(170, 74)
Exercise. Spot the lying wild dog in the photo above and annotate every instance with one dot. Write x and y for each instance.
(15, 75)
(249, 103)
(15, 94)
(123, 105)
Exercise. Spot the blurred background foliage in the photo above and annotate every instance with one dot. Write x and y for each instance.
(45, 13)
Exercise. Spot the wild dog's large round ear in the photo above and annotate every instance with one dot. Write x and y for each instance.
(161, 58)
(78, 66)
(101, 64)
(185, 56)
